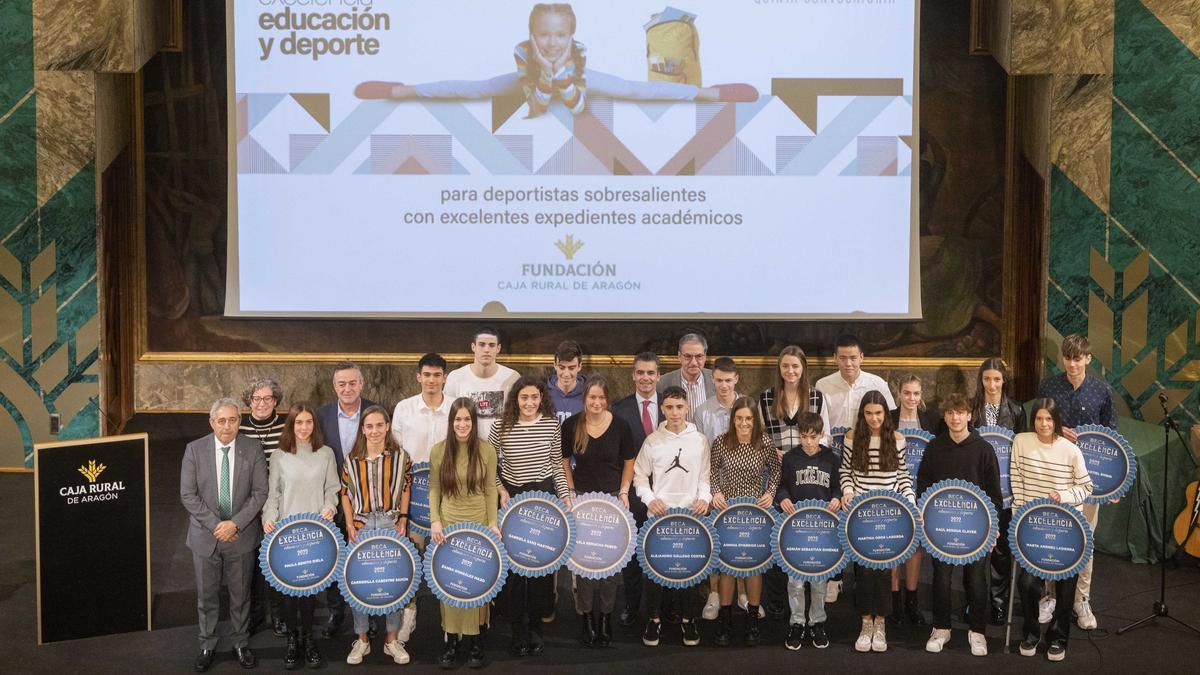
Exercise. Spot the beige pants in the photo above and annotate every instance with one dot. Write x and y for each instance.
(1083, 588)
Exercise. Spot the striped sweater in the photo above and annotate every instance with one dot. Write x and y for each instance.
(266, 431)
(568, 85)
(1037, 469)
(857, 482)
(530, 452)
(374, 484)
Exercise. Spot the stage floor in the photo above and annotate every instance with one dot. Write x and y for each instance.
(1123, 592)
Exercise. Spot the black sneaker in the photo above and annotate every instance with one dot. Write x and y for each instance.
(652, 634)
(795, 637)
(1029, 645)
(819, 639)
(691, 633)
(1057, 651)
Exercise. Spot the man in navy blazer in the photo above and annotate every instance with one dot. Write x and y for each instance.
(223, 486)
(640, 410)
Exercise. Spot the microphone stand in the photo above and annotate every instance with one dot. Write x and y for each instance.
(1160, 605)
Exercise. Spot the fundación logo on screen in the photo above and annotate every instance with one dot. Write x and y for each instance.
(572, 275)
(92, 491)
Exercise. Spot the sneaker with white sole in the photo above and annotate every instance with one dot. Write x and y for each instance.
(978, 642)
(1046, 609)
(937, 639)
(713, 607)
(357, 651)
(408, 622)
(395, 649)
(744, 604)
(1057, 651)
(832, 590)
(879, 635)
(863, 643)
(1029, 645)
(1083, 614)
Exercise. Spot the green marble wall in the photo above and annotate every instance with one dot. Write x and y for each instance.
(1127, 272)
(49, 327)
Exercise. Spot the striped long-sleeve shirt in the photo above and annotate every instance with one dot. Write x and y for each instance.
(530, 452)
(568, 85)
(267, 431)
(374, 484)
(1037, 469)
(857, 482)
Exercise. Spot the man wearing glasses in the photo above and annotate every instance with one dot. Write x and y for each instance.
(692, 376)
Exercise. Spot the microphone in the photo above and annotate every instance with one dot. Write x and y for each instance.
(1162, 401)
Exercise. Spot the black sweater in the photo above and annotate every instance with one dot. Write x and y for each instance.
(973, 460)
(803, 477)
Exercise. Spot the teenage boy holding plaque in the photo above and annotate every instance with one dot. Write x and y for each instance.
(960, 453)
(1046, 464)
(675, 461)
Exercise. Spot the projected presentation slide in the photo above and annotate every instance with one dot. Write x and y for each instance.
(598, 158)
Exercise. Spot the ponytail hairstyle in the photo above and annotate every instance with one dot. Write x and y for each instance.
(906, 379)
(756, 430)
(779, 407)
(359, 451)
(448, 473)
(889, 455)
(977, 401)
(579, 441)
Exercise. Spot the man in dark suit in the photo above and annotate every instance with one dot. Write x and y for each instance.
(641, 412)
(223, 485)
(338, 421)
(692, 376)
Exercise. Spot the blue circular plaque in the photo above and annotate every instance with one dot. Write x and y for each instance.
(380, 572)
(418, 499)
(879, 530)
(679, 549)
(605, 536)
(538, 533)
(837, 440)
(1050, 540)
(1001, 439)
(744, 529)
(468, 569)
(915, 442)
(959, 523)
(806, 545)
(300, 556)
(1110, 461)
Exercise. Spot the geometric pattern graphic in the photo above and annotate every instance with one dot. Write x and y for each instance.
(847, 128)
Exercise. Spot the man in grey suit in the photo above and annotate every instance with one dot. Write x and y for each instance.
(223, 485)
(692, 376)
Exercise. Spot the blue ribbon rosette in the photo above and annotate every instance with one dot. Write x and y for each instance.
(419, 519)
(837, 440)
(380, 573)
(538, 532)
(744, 529)
(469, 568)
(1050, 540)
(683, 566)
(879, 531)
(959, 523)
(1001, 440)
(605, 536)
(806, 545)
(915, 442)
(302, 555)
(1110, 461)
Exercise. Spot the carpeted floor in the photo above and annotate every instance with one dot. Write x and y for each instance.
(1123, 592)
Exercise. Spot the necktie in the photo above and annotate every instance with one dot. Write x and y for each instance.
(647, 425)
(225, 496)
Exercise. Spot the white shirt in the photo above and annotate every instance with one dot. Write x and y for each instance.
(220, 455)
(417, 427)
(652, 409)
(842, 398)
(487, 392)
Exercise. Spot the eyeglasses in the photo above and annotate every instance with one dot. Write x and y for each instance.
(691, 357)
(262, 399)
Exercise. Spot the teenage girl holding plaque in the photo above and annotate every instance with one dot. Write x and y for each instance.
(303, 480)
(910, 413)
(462, 488)
(375, 496)
(873, 459)
(739, 460)
(603, 449)
(529, 443)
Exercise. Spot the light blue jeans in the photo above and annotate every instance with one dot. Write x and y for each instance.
(378, 520)
(816, 602)
(598, 83)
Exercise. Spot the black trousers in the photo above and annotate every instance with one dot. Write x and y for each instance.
(631, 575)
(975, 583)
(687, 600)
(334, 601)
(872, 591)
(1031, 589)
(1001, 562)
(297, 613)
(528, 598)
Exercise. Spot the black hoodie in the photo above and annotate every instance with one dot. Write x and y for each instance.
(973, 461)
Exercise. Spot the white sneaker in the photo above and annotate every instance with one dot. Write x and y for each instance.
(1046, 609)
(408, 622)
(1083, 614)
(863, 643)
(357, 651)
(832, 589)
(879, 635)
(978, 642)
(395, 649)
(937, 639)
(713, 607)
(744, 603)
